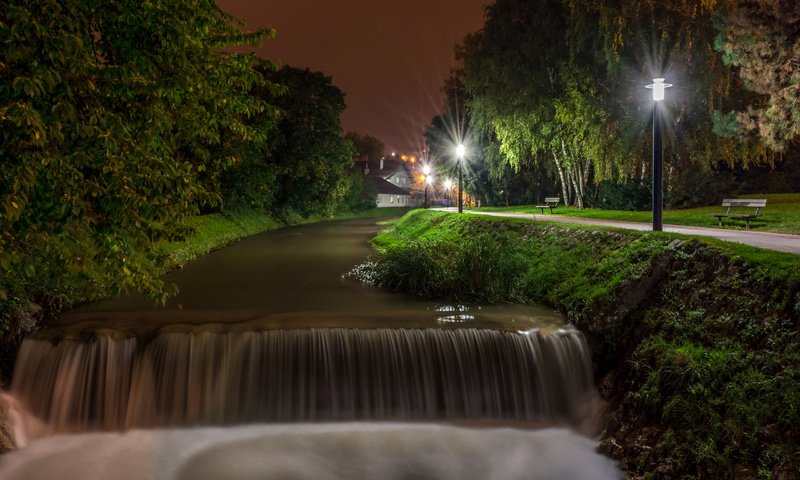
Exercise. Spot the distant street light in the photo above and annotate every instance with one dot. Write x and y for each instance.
(427, 171)
(460, 151)
(448, 186)
(658, 86)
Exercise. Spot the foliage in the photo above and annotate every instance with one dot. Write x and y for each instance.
(539, 107)
(559, 84)
(115, 120)
(302, 169)
(762, 38)
(361, 194)
(367, 146)
(700, 343)
(718, 369)
(308, 152)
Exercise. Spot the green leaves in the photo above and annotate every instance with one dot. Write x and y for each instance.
(761, 38)
(116, 119)
(303, 167)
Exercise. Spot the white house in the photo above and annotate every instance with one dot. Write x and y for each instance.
(390, 195)
(395, 172)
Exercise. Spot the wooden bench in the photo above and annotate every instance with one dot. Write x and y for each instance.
(549, 202)
(740, 208)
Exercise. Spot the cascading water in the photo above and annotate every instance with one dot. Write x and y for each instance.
(269, 365)
(207, 377)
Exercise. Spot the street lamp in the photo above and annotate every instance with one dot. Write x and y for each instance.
(460, 150)
(658, 86)
(448, 186)
(427, 171)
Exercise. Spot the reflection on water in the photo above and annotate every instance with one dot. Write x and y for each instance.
(292, 278)
(455, 314)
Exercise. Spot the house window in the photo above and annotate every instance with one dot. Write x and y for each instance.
(398, 199)
(391, 199)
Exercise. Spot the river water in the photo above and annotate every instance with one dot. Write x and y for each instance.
(270, 364)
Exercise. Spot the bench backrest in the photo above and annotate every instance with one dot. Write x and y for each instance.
(745, 202)
(552, 200)
(757, 203)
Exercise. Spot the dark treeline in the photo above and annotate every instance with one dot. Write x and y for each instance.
(119, 120)
(551, 95)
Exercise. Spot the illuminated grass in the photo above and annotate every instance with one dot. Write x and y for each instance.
(782, 214)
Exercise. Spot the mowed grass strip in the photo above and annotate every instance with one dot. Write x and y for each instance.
(781, 215)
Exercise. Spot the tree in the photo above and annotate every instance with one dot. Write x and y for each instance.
(112, 115)
(367, 147)
(528, 91)
(762, 38)
(308, 152)
(559, 84)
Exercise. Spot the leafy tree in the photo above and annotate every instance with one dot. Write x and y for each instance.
(112, 118)
(530, 94)
(366, 146)
(559, 84)
(762, 38)
(308, 153)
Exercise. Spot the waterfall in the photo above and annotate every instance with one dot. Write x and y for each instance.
(207, 377)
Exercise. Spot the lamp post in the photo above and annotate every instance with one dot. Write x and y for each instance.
(426, 170)
(448, 186)
(428, 183)
(460, 150)
(658, 86)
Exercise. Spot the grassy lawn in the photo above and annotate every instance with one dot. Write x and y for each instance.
(781, 215)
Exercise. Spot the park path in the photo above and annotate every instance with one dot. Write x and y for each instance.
(772, 241)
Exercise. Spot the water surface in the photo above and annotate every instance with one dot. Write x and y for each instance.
(292, 278)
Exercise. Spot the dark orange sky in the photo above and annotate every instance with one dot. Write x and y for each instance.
(390, 58)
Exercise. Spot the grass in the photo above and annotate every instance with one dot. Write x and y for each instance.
(698, 338)
(782, 214)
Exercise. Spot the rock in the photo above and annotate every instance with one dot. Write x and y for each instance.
(6, 437)
(29, 317)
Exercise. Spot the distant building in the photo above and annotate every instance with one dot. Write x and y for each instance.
(394, 180)
(396, 172)
(390, 195)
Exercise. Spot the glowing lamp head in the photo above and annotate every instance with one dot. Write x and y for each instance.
(429, 180)
(448, 184)
(460, 151)
(658, 86)
(426, 170)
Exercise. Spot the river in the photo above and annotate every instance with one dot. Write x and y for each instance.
(270, 364)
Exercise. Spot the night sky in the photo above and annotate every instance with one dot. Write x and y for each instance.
(390, 58)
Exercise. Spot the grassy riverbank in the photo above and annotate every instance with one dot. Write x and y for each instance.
(696, 345)
(782, 214)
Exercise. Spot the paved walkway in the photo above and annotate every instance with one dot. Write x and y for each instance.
(773, 241)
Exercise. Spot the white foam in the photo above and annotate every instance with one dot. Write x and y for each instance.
(312, 451)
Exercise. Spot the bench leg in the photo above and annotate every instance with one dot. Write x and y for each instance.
(719, 220)
(747, 224)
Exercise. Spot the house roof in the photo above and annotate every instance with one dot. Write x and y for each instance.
(387, 188)
(373, 168)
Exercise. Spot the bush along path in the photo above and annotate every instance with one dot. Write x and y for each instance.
(696, 347)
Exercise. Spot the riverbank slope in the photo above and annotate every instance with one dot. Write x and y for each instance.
(695, 344)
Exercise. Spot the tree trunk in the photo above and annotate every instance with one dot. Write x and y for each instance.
(564, 185)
